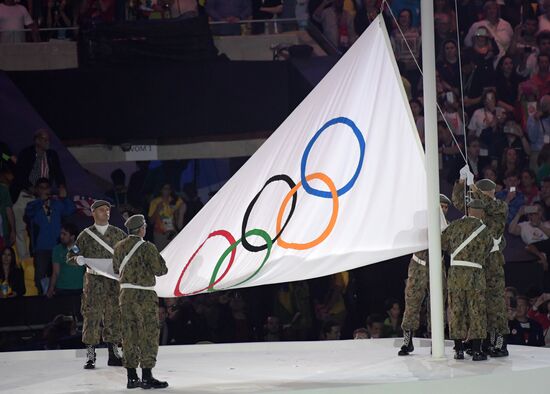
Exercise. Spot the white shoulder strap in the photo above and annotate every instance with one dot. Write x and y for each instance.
(99, 240)
(468, 240)
(129, 256)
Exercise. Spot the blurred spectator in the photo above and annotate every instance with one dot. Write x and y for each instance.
(529, 66)
(443, 33)
(230, 11)
(360, 333)
(523, 330)
(7, 218)
(448, 149)
(507, 83)
(375, 326)
(293, 308)
(408, 37)
(544, 19)
(541, 79)
(444, 11)
(333, 306)
(266, 9)
(498, 28)
(365, 15)
(392, 323)
(273, 329)
(243, 327)
(192, 201)
(448, 66)
(183, 9)
(482, 54)
(336, 22)
(38, 161)
(538, 128)
(118, 195)
(534, 232)
(66, 279)
(540, 313)
(475, 161)
(137, 195)
(511, 194)
(12, 283)
(509, 162)
(490, 173)
(13, 17)
(524, 41)
(510, 295)
(331, 331)
(44, 216)
(59, 16)
(98, 11)
(483, 118)
(418, 116)
(528, 186)
(166, 212)
(544, 197)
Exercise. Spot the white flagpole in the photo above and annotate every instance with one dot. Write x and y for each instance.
(432, 173)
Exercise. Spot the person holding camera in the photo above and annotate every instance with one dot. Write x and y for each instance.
(44, 216)
(538, 129)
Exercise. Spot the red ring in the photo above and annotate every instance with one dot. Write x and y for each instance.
(227, 235)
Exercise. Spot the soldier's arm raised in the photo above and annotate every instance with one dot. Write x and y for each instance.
(458, 195)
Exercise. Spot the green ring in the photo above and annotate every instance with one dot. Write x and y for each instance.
(255, 231)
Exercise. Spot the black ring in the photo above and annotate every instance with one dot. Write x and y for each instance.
(274, 178)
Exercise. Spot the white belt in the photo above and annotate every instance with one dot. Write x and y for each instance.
(466, 264)
(418, 260)
(496, 244)
(131, 286)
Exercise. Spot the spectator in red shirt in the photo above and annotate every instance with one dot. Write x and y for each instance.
(528, 186)
(524, 330)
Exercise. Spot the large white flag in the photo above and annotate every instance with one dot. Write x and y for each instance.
(339, 185)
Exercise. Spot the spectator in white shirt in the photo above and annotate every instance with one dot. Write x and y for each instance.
(499, 29)
(483, 118)
(544, 19)
(14, 18)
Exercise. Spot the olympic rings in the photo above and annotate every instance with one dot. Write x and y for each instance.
(231, 249)
(333, 194)
(231, 241)
(331, 224)
(351, 182)
(246, 244)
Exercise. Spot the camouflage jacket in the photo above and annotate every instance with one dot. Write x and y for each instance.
(144, 265)
(458, 231)
(88, 247)
(423, 255)
(496, 211)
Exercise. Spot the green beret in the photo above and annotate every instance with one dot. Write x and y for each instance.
(100, 203)
(134, 222)
(443, 199)
(486, 185)
(476, 204)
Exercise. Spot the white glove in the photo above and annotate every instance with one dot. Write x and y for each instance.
(80, 260)
(466, 174)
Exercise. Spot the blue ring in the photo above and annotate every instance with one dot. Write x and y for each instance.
(347, 186)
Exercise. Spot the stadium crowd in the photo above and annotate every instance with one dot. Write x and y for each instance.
(493, 86)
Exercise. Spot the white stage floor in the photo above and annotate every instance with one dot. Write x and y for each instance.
(361, 366)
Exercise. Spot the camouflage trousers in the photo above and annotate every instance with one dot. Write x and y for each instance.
(100, 310)
(416, 290)
(140, 327)
(497, 318)
(467, 305)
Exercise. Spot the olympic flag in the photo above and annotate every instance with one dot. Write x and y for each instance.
(339, 185)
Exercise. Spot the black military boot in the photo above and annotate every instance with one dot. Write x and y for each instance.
(115, 358)
(133, 379)
(90, 357)
(477, 353)
(407, 343)
(500, 349)
(459, 350)
(149, 382)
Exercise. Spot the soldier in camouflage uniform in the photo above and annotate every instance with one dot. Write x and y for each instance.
(469, 242)
(100, 294)
(138, 263)
(417, 290)
(496, 212)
